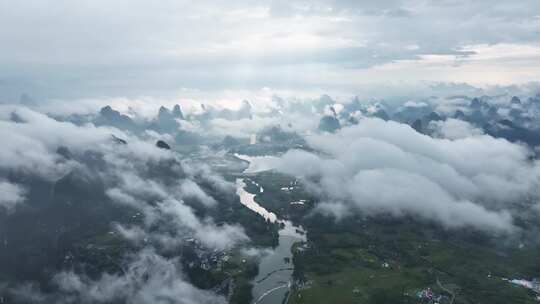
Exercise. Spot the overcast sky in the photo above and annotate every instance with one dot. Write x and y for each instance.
(90, 48)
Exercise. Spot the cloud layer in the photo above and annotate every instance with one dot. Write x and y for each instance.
(126, 169)
(148, 278)
(164, 194)
(139, 48)
(380, 167)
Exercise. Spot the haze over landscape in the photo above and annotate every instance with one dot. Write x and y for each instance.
(326, 151)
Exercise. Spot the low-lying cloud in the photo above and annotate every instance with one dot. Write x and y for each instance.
(380, 167)
(148, 278)
(12, 195)
(154, 183)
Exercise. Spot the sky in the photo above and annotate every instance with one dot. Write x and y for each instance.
(65, 49)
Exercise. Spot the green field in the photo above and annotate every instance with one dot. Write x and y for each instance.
(384, 260)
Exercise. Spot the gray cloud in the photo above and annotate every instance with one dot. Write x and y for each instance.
(139, 48)
(148, 278)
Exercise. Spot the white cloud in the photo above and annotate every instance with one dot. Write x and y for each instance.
(453, 129)
(415, 104)
(150, 180)
(126, 172)
(380, 167)
(190, 189)
(11, 195)
(34, 141)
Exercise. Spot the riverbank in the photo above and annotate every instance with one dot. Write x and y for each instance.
(274, 281)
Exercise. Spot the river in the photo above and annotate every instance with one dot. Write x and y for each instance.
(275, 279)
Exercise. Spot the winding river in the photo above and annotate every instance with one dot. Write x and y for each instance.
(272, 284)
